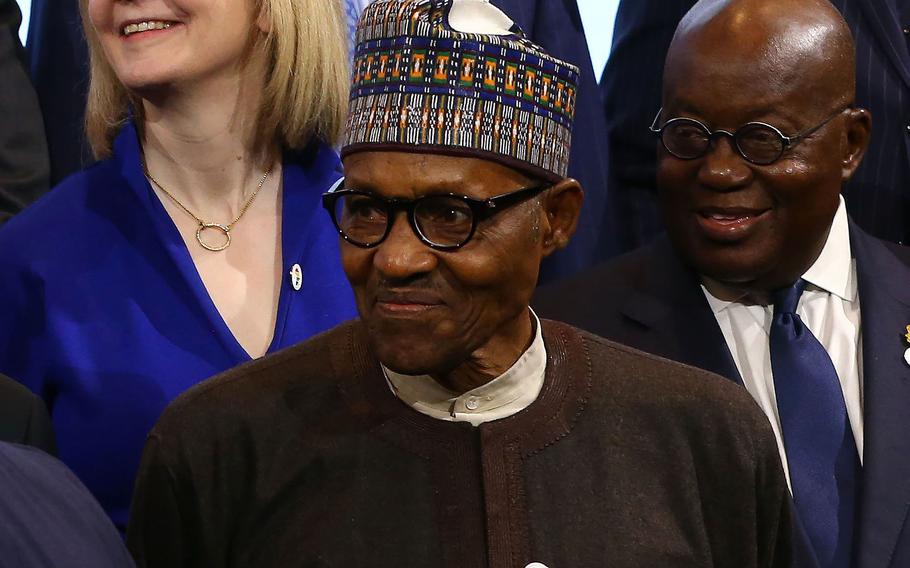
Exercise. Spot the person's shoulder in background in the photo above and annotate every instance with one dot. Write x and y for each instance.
(49, 517)
(23, 417)
(587, 298)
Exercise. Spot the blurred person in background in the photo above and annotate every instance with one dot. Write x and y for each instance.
(58, 63)
(196, 243)
(24, 169)
(556, 26)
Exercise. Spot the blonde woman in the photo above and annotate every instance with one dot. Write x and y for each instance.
(197, 242)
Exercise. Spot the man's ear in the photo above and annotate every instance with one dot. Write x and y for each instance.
(562, 207)
(857, 135)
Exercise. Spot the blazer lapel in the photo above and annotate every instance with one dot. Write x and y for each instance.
(680, 325)
(885, 307)
(884, 23)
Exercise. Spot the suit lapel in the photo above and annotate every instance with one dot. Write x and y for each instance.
(885, 308)
(678, 322)
(887, 30)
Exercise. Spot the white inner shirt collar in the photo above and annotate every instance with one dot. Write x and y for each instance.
(507, 394)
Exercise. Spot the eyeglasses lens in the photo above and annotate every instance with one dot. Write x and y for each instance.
(444, 221)
(685, 139)
(362, 219)
(759, 144)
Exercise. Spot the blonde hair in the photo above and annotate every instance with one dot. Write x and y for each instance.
(305, 94)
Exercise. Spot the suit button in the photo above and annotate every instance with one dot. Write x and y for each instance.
(905, 30)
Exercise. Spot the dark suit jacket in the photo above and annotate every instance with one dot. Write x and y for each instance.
(50, 518)
(24, 168)
(649, 300)
(58, 63)
(878, 196)
(556, 25)
(23, 417)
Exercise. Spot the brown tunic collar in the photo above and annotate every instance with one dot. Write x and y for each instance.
(493, 452)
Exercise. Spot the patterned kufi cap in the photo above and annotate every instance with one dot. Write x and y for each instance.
(458, 77)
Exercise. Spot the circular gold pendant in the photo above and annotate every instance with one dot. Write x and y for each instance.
(224, 230)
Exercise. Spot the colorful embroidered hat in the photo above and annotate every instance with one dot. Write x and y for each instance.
(457, 77)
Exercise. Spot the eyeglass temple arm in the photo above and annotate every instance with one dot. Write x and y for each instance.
(653, 128)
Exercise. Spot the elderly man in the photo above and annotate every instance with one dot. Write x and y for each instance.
(449, 426)
(764, 279)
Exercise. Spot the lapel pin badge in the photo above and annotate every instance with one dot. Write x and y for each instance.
(296, 275)
(907, 352)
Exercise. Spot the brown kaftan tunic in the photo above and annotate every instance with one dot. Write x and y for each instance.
(305, 458)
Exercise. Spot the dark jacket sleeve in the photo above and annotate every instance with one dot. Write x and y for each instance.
(24, 164)
(40, 430)
(24, 418)
(159, 534)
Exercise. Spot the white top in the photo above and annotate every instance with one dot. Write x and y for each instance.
(829, 307)
(507, 394)
(479, 17)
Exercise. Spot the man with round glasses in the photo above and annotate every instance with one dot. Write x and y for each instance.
(449, 426)
(763, 278)
(757, 142)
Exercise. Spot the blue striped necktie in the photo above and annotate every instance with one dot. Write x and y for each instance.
(821, 452)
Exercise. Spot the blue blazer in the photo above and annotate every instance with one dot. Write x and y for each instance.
(106, 318)
(878, 196)
(650, 300)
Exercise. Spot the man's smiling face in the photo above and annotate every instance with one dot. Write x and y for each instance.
(751, 226)
(428, 311)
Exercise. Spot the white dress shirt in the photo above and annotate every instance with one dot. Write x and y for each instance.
(507, 394)
(829, 307)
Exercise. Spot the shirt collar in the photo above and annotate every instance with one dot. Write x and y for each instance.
(517, 388)
(832, 271)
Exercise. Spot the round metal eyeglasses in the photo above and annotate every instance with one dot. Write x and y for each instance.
(758, 142)
(443, 222)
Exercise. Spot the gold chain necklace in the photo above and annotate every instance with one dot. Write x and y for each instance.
(206, 226)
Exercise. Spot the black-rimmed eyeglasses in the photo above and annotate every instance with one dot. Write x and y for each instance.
(758, 142)
(444, 222)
